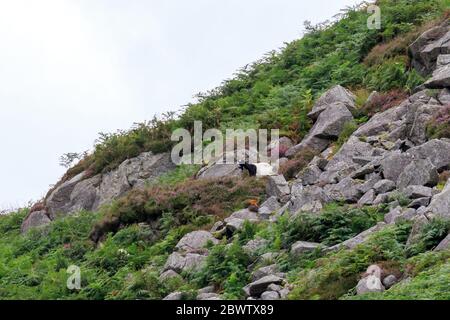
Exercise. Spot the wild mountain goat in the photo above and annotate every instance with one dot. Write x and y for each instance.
(258, 169)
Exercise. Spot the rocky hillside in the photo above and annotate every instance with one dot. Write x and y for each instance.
(360, 208)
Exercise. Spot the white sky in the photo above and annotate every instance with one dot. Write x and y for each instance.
(72, 68)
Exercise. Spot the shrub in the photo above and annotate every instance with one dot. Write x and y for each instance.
(430, 236)
(384, 101)
(226, 268)
(335, 224)
(338, 273)
(293, 166)
(186, 201)
(439, 126)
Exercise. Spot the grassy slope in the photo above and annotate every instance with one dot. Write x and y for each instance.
(275, 92)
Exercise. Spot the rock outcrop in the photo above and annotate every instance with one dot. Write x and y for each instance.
(89, 194)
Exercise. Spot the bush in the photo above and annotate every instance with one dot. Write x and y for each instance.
(429, 237)
(226, 268)
(293, 166)
(384, 101)
(186, 201)
(439, 126)
(334, 225)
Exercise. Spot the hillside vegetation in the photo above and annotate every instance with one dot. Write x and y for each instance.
(122, 248)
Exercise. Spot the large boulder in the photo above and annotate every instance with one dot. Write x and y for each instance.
(427, 48)
(34, 220)
(237, 219)
(82, 193)
(337, 94)
(301, 247)
(277, 186)
(255, 289)
(60, 200)
(437, 151)
(328, 126)
(440, 79)
(195, 240)
(307, 199)
(346, 190)
(189, 262)
(133, 173)
(394, 163)
(440, 204)
(419, 172)
(444, 244)
(386, 121)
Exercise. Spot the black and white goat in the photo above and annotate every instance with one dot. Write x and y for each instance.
(258, 169)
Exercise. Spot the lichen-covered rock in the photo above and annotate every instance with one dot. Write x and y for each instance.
(195, 240)
(80, 193)
(367, 199)
(277, 186)
(444, 244)
(309, 198)
(415, 192)
(346, 190)
(189, 262)
(440, 204)
(384, 186)
(337, 94)
(301, 247)
(256, 288)
(394, 164)
(34, 220)
(329, 125)
(440, 79)
(270, 295)
(419, 172)
(437, 151)
(427, 48)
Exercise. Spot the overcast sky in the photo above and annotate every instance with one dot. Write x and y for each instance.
(70, 69)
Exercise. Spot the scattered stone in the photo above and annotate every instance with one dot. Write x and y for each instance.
(169, 274)
(334, 95)
(209, 296)
(274, 287)
(265, 271)
(35, 219)
(184, 263)
(418, 173)
(444, 245)
(389, 281)
(309, 198)
(440, 204)
(253, 246)
(301, 247)
(277, 186)
(176, 296)
(270, 295)
(346, 190)
(255, 289)
(421, 202)
(196, 240)
(384, 186)
(367, 199)
(437, 151)
(364, 287)
(269, 207)
(415, 192)
(394, 164)
(209, 289)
